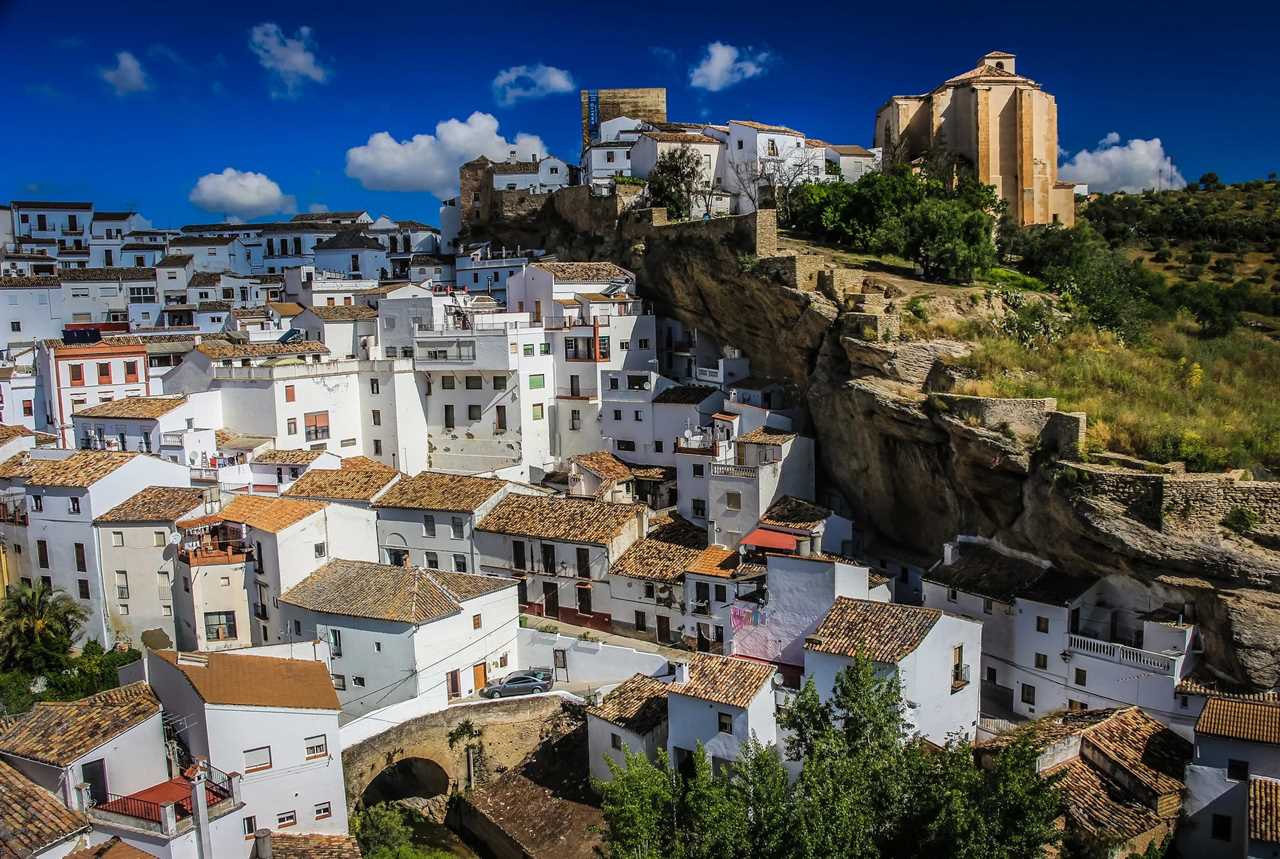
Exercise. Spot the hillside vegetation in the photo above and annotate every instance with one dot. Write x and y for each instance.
(1158, 314)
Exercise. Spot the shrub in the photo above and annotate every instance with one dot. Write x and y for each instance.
(1240, 520)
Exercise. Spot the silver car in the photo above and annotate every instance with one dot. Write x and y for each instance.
(515, 684)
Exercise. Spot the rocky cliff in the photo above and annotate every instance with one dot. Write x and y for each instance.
(910, 469)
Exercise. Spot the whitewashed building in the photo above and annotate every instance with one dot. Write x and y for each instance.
(721, 703)
(429, 519)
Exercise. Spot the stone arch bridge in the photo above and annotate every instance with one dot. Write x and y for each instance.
(510, 729)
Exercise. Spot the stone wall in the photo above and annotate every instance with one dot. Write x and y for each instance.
(1181, 502)
(1024, 417)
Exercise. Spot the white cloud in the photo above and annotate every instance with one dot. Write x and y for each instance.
(240, 194)
(127, 75)
(430, 162)
(292, 61)
(528, 82)
(165, 52)
(1131, 167)
(316, 208)
(725, 65)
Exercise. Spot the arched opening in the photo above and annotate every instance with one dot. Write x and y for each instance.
(410, 777)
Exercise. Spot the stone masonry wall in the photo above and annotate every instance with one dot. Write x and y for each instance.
(1022, 416)
(1182, 502)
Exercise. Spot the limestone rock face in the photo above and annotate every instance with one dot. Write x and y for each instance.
(919, 476)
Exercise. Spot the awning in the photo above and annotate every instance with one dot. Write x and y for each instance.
(766, 539)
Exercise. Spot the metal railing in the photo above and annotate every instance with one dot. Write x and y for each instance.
(719, 469)
(171, 439)
(139, 809)
(1157, 663)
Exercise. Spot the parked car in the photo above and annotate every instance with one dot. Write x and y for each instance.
(515, 684)
(536, 673)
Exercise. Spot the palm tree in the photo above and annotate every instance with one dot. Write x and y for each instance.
(37, 626)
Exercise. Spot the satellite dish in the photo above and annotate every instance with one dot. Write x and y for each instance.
(777, 681)
(688, 434)
(175, 538)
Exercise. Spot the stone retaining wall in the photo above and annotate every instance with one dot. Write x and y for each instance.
(1182, 502)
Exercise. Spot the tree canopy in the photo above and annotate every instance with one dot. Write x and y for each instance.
(675, 178)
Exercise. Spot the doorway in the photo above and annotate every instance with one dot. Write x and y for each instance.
(480, 675)
(664, 629)
(550, 599)
(94, 774)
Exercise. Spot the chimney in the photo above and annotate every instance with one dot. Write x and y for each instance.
(511, 156)
(262, 844)
(169, 819)
(950, 553)
(682, 671)
(83, 799)
(200, 810)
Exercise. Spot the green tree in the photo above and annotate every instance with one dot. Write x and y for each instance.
(380, 827)
(675, 178)
(949, 239)
(37, 626)
(758, 786)
(638, 803)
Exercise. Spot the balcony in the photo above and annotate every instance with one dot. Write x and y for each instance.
(171, 439)
(701, 607)
(1156, 663)
(205, 475)
(959, 677)
(260, 612)
(708, 374)
(165, 808)
(72, 231)
(216, 554)
(460, 353)
(720, 469)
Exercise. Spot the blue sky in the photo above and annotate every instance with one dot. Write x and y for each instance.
(130, 104)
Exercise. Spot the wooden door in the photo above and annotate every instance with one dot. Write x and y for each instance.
(550, 599)
(664, 628)
(455, 684)
(480, 675)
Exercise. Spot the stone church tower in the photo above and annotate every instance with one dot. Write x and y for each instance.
(1001, 123)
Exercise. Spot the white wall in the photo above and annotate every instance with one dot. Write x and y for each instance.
(586, 661)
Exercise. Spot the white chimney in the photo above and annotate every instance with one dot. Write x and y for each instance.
(200, 811)
(682, 671)
(950, 553)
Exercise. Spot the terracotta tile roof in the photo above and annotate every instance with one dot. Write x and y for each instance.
(651, 472)
(288, 456)
(287, 845)
(574, 520)
(249, 312)
(155, 504)
(286, 308)
(1208, 687)
(348, 483)
(50, 204)
(987, 572)
(114, 340)
(206, 278)
(986, 71)
(882, 632)
(604, 465)
(222, 350)
(80, 275)
(512, 168)
(1252, 721)
(1100, 806)
(269, 514)
(328, 216)
(766, 435)
(31, 818)
(637, 704)
(59, 732)
(83, 468)
(854, 150)
(1143, 747)
(17, 467)
(8, 433)
(366, 589)
(584, 272)
(344, 312)
(675, 137)
(760, 126)
(719, 561)
(796, 513)
(684, 395)
(724, 679)
(112, 848)
(670, 547)
(225, 677)
(1264, 810)
(134, 408)
(200, 241)
(37, 281)
(433, 490)
(349, 240)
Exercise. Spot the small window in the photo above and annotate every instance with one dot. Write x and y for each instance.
(317, 746)
(84, 588)
(537, 411)
(1028, 694)
(724, 721)
(250, 825)
(285, 819)
(1042, 661)
(289, 394)
(721, 593)
(698, 470)
(257, 759)
(733, 500)
(615, 741)
(73, 504)
(376, 414)
(476, 621)
(339, 682)
(357, 681)
(373, 383)
(447, 383)
(474, 383)
(1237, 770)
(319, 547)
(323, 810)
(459, 563)
(159, 538)
(428, 525)
(527, 351)
(648, 590)
(117, 538)
(952, 594)
(297, 628)
(986, 606)
(1081, 677)
(1042, 623)
(1220, 829)
(473, 413)
(537, 381)
(499, 383)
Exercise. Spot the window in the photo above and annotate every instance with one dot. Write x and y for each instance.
(317, 425)
(76, 372)
(1042, 661)
(81, 565)
(319, 548)
(285, 819)
(428, 525)
(37, 502)
(474, 383)
(377, 647)
(158, 538)
(446, 383)
(952, 594)
(499, 383)
(613, 383)
(449, 422)
(339, 682)
(648, 590)
(256, 760)
(377, 447)
(291, 426)
(698, 506)
(476, 621)
(1042, 623)
(219, 625)
(537, 411)
(317, 746)
(455, 527)
(642, 624)
(644, 344)
(721, 593)
(617, 414)
(986, 606)
(733, 500)
(1220, 828)
(1081, 676)
(615, 740)
(376, 414)
(724, 722)
(122, 584)
(373, 383)
(638, 415)
(117, 538)
(84, 588)
(537, 382)
(250, 825)
(1028, 694)
(289, 394)
(431, 559)
(624, 444)
(124, 609)
(323, 810)
(1237, 770)
(527, 351)
(698, 470)
(459, 563)
(473, 413)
